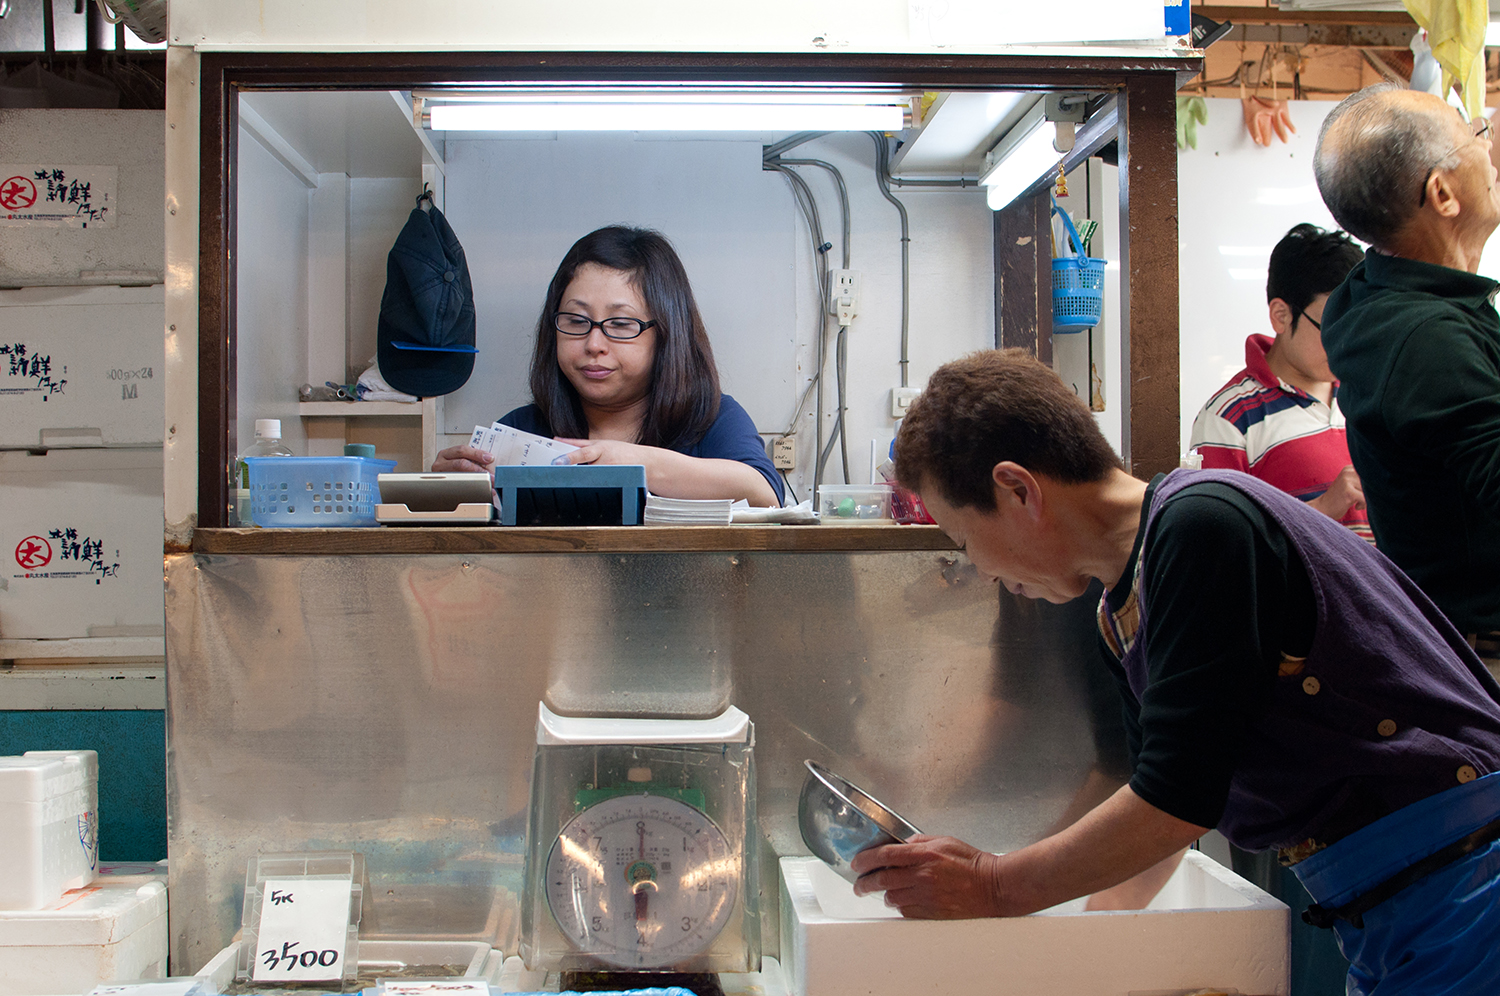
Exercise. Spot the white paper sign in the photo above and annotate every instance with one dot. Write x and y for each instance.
(304, 925)
(514, 448)
(57, 195)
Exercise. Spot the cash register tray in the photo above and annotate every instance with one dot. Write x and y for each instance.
(435, 500)
(582, 495)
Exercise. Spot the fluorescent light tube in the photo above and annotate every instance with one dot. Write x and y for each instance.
(1022, 157)
(602, 116)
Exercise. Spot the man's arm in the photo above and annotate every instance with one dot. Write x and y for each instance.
(941, 878)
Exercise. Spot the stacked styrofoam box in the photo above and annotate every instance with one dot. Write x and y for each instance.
(82, 402)
(1207, 929)
(113, 930)
(49, 801)
(81, 544)
(81, 366)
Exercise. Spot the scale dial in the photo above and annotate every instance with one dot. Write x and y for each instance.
(642, 881)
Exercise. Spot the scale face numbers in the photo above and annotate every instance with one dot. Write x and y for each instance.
(641, 881)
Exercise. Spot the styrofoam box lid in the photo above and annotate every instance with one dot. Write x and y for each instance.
(103, 913)
(40, 774)
(730, 726)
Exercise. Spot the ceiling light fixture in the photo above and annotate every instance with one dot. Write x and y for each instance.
(1021, 158)
(670, 112)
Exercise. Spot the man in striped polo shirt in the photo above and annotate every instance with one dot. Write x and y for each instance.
(1278, 419)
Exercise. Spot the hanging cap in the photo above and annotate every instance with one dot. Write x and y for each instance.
(425, 336)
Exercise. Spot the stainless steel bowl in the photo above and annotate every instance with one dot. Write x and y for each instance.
(838, 819)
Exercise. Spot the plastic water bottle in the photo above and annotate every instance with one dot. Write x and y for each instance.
(267, 443)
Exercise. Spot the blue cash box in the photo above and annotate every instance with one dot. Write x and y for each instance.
(586, 495)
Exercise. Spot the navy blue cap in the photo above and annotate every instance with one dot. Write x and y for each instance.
(425, 336)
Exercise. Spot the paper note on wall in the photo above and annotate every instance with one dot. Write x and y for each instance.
(515, 448)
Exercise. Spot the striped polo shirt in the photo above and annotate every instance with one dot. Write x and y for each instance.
(1261, 425)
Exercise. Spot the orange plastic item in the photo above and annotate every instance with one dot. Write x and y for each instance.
(1263, 118)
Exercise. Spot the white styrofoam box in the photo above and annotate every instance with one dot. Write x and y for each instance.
(123, 150)
(81, 544)
(81, 366)
(378, 958)
(49, 805)
(1207, 928)
(113, 930)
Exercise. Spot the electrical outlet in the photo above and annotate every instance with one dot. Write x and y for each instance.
(901, 399)
(784, 452)
(843, 295)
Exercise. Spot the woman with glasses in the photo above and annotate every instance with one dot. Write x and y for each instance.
(623, 370)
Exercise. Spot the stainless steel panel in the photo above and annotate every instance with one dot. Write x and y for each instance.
(388, 704)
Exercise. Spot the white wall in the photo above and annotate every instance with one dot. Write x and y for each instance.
(271, 307)
(1235, 201)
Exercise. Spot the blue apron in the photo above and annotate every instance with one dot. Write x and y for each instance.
(1441, 935)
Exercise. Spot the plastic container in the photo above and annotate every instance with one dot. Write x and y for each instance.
(49, 801)
(267, 444)
(855, 504)
(1077, 285)
(311, 492)
(115, 929)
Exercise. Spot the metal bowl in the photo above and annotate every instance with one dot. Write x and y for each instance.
(838, 819)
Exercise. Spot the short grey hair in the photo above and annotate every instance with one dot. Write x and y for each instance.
(1371, 175)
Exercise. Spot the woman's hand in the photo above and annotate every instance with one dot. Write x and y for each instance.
(676, 475)
(607, 451)
(462, 459)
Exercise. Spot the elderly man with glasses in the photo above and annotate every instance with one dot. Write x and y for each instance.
(1414, 339)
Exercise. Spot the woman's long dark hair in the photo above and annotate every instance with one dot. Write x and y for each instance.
(684, 393)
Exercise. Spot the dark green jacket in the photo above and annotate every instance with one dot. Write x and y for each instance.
(1416, 349)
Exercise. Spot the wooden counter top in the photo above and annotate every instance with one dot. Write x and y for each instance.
(575, 539)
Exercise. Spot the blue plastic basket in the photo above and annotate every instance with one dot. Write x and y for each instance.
(1077, 285)
(310, 492)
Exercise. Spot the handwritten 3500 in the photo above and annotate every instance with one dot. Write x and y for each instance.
(307, 959)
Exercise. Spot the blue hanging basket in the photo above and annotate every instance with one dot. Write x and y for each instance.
(1077, 285)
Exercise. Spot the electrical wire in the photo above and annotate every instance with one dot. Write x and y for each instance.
(883, 177)
(838, 180)
(808, 203)
(802, 194)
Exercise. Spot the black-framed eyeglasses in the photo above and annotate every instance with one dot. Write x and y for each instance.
(1312, 321)
(1482, 129)
(614, 328)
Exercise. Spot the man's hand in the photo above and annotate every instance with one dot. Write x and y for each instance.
(931, 878)
(943, 878)
(1344, 492)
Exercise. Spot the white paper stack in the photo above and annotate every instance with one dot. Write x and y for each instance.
(515, 448)
(687, 511)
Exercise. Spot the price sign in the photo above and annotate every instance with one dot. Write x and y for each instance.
(304, 925)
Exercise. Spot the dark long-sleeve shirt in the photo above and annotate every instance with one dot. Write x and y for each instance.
(1416, 349)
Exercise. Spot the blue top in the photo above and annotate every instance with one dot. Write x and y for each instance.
(731, 437)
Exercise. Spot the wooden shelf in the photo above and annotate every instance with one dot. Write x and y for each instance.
(574, 539)
(357, 409)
